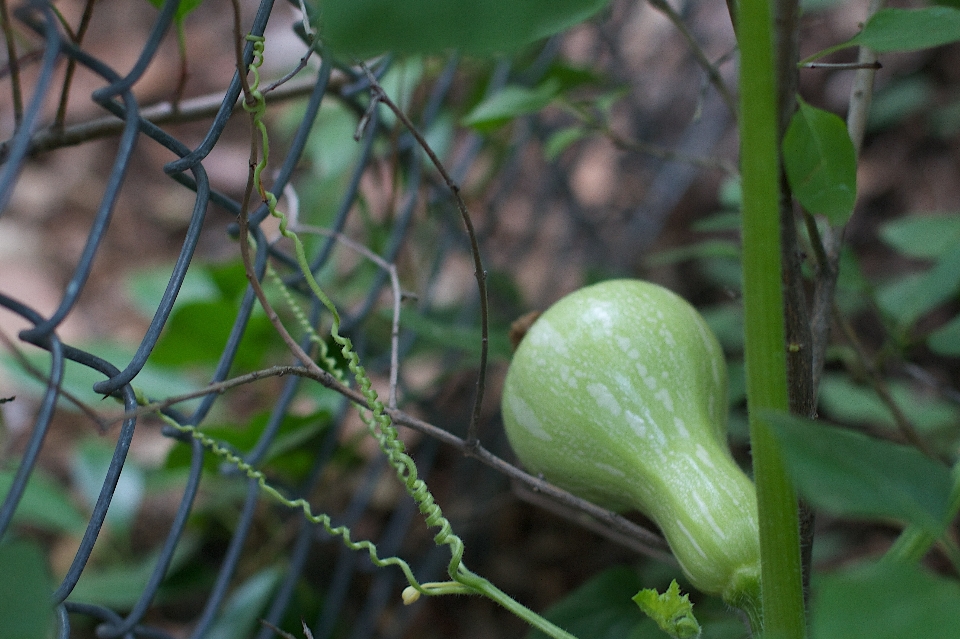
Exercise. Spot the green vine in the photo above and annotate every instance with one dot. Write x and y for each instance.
(379, 424)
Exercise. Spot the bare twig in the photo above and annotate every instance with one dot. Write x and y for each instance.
(238, 44)
(101, 422)
(16, 91)
(649, 542)
(709, 68)
(391, 270)
(248, 266)
(186, 111)
(297, 69)
(629, 541)
(843, 66)
(72, 66)
(879, 384)
(861, 93)
(479, 272)
(669, 155)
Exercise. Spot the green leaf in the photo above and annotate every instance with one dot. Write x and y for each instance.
(448, 334)
(90, 464)
(946, 339)
(909, 29)
(25, 588)
(184, 9)
(509, 103)
(849, 474)
(79, 380)
(698, 251)
(923, 236)
(672, 611)
(369, 27)
(726, 321)
(146, 287)
(718, 222)
(602, 608)
(44, 504)
(900, 99)
(908, 299)
(559, 141)
(846, 401)
(821, 163)
(245, 605)
(885, 600)
(119, 586)
(197, 332)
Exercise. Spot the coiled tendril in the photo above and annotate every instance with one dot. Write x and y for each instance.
(378, 422)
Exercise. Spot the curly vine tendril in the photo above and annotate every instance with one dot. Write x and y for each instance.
(378, 422)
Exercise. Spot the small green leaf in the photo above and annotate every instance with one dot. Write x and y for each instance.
(923, 236)
(509, 103)
(698, 251)
(90, 464)
(849, 402)
(184, 9)
(946, 339)
(885, 600)
(559, 141)
(447, 333)
(368, 27)
(245, 605)
(911, 297)
(601, 609)
(672, 611)
(821, 163)
(849, 474)
(909, 29)
(119, 586)
(44, 504)
(900, 99)
(26, 611)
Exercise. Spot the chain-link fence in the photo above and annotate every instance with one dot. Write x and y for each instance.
(540, 227)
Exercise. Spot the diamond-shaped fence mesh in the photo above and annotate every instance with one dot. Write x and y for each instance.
(238, 556)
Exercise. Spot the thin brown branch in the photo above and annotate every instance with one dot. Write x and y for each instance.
(843, 66)
(187, 111)
(629, 541)
(391, 270)
(869, 369)
(297, 69)
(24, 362)
(239, 40)
(709, 68)
(826, 247)
(669, 155)
(479, 272)
(649, 542)
(16, 91)
(72, 66)
(861, 93)
(243, 220)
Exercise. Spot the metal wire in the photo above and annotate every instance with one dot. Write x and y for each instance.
(117, 98)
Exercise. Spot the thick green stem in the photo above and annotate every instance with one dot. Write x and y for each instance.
(487, 589)
(782, 591)
(914, 542)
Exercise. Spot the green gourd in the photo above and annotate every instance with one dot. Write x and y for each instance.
(618, 393)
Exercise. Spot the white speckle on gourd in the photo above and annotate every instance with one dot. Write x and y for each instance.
(664, 396)
(605, 399)
(610, 469)
(528, 419)
(681, 427)
(692, 541)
